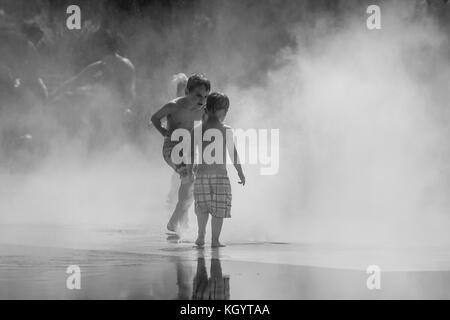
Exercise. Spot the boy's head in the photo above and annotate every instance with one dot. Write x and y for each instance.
(197, 89)
(217, 105)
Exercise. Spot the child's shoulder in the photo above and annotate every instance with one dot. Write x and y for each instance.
(227, 127)
(175, 104)
(179, 101)
(217, 125)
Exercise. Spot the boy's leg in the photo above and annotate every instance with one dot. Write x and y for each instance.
(202, 220)
(185, 199)
(172, 196)
(172, 225)
(216, 228)
(179, 216)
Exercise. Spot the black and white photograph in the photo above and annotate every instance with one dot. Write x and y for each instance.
(228, 150)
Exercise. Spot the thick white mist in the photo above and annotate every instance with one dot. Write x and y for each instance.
(363, 140)
(363, 128)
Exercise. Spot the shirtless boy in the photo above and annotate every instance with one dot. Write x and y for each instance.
(181, 114)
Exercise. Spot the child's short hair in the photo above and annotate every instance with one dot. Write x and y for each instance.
(197, 80)
(217, 101)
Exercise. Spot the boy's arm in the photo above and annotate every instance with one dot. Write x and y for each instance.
(161, 113)
(238, 167)
(234, 156)
(86, 76)
(193, 154)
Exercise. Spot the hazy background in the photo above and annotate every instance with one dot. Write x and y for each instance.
(363, 116)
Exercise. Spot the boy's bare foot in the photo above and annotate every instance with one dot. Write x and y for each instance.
(173, 238)
(200, 243)
(172, 227)
(217, 245)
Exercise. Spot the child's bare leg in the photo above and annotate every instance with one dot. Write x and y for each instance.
(216, 228)
(173, 192)
(202, 220)
(172, 225)
(186, 199)
(180, 215)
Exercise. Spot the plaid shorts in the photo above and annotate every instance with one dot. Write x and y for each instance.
(168, 146)
(212, 194)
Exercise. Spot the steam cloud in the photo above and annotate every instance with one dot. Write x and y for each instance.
(363, 119)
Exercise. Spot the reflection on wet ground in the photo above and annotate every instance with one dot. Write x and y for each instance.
(140, 263)
(204, 284)
(40, 273)
(216, 287)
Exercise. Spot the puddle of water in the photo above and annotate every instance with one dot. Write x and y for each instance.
(40, 273)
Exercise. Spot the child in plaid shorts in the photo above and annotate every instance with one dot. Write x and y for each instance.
(212, 189)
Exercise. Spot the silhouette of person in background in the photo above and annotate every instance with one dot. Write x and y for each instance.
(112, 71)
(22, 94)
(19, 55)
(100, 98)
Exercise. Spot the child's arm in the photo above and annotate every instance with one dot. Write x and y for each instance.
(234, 156)
(238, 167)
(161, 113)
(193, 154)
